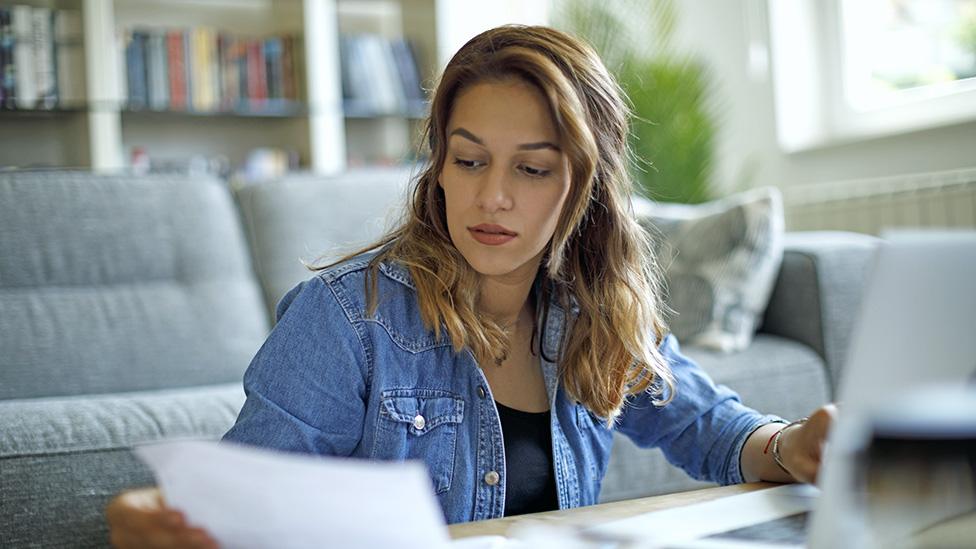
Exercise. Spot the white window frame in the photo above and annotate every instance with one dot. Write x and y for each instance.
(808, 85)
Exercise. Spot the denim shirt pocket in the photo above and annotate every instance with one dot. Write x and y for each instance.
(420, 424)
(592, 431)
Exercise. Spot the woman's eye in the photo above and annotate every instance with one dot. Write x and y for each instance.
(534, 172)
(466, 164)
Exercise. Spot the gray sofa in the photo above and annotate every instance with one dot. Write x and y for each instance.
(130, 307)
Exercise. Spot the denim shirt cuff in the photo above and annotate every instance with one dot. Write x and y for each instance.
(734, 475)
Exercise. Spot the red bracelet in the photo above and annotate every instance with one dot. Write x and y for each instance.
(770, 441)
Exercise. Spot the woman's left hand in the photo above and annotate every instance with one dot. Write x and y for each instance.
(802, 446)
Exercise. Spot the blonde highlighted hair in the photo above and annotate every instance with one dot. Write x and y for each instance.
(599, 258)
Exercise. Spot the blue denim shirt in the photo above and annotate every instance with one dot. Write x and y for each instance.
(331, 380)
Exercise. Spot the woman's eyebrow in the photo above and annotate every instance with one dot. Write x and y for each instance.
(461, 132)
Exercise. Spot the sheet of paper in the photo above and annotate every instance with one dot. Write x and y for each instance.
(248, 497)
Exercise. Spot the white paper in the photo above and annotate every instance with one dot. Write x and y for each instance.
(247, 497)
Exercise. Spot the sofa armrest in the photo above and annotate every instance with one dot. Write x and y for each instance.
(817, 295)
(62, 459)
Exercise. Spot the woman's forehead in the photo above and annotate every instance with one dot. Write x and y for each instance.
(503, 113)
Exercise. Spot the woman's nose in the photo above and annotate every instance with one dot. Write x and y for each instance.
(495, 191)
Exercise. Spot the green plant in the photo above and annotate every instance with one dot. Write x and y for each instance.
(674, 124)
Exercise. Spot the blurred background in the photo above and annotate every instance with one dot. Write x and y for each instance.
(862, 112)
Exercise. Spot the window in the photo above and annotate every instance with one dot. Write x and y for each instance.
(854, 69)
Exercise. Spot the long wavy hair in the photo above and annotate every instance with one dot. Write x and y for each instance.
(599, 259)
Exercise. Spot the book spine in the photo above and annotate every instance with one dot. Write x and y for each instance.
(25, 83)
(391, 74)
(176, 57)
(136, 70)
(355, 85)
(223, 54)
(289, 89)
(70, 58)
(230, 68)
(188, 69)
(6, 60)
(272, 58)
(158, 85)
(380, 70)
(42, 21)
(257, 85)
(243, 91)
(200, 78)
(409, 75)
(213, 68)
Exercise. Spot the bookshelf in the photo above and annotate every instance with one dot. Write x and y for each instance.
(325, 131)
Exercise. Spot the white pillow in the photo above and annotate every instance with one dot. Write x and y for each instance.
(720, 260)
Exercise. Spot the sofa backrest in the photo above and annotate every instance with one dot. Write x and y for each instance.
(114, 283)
(314, 219)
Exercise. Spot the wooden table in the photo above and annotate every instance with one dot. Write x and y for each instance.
(605, 512)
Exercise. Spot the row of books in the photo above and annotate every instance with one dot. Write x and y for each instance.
(42, 58)
(204, 70)
(379, 76)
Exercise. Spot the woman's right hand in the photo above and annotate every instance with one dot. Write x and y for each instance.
(140, 518)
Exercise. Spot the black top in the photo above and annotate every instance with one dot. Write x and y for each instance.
(530, 486)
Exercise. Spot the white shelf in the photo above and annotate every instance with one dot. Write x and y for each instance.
(102, 133)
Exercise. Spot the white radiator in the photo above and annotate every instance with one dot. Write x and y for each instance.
(937, 199)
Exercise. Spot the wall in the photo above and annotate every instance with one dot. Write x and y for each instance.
(721, 31)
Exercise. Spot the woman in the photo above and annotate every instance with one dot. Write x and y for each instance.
(509, 325)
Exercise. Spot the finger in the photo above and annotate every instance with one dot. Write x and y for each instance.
(200, 538)
(807, 470)
(138, 518)
(149, 508)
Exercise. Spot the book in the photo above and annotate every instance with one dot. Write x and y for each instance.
(204, 88)
(213, 67)
(25, 78)
(202, 69)
(359, 93)
(157, 66)
(257, 81)
(45, 77)
(176, 71)
(230, 68)
(387, 92)
(272, 59)
(135, 65)
(6, 60)
(241, 60)
(406, 64)
(379, 76)
(188, 67)
(69, 58)
(289, 86)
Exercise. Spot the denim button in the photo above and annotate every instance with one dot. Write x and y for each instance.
(419, 422)
(481, 392)
(491, 478)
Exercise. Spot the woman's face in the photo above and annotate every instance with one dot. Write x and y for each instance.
(505, 177)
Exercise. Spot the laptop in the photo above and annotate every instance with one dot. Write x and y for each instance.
(917, 328)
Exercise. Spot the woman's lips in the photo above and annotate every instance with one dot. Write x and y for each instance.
(492, 235)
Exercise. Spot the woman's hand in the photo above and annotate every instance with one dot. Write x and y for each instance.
(140, 518)
(802, 446)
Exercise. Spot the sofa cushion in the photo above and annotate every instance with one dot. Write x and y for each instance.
(118, 283)
(817, 296)
(63, 459)
(311, 219)
(774, 375)
(720, 261)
